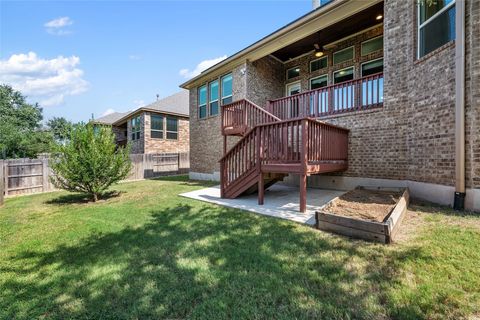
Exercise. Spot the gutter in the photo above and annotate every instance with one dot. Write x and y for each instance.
(459, 196)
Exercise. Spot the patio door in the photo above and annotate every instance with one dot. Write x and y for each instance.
(293, 89)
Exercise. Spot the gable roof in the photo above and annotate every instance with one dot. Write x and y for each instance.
(174, 104)
(177, 104)
(111, 118)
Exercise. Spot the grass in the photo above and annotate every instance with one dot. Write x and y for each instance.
(147, 253)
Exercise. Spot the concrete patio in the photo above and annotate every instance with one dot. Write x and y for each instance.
(281, 201)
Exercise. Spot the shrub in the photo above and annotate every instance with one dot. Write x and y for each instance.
(90, 161)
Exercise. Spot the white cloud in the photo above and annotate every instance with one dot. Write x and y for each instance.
(205, 64)
(57, 26)
(135, 57)
(108, 111)
(46, 81)
(138, 103)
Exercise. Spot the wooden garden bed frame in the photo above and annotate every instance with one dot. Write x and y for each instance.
(383, 232)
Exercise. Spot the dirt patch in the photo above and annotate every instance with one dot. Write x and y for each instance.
(369, 205)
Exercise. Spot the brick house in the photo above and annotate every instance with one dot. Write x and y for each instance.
(160, 127)
(402, 76)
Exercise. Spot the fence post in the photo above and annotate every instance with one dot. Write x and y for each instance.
(44, 175)
(2, 183)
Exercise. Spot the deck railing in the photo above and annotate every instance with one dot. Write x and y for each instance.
(240, 116)
(353, 95)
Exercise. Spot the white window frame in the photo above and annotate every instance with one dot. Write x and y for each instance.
(369, 61)
(206, 101)
(344, 49)
(291, 84)
(212, 101)
(321, 58)
(340, 70)
(286, 72)
(371, 39)
(422, 25)
(221, 87)
(320, 76)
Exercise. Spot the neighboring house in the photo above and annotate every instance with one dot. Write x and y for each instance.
(402, 76)
(160, 127)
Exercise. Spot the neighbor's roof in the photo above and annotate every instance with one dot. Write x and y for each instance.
(176, 104)
(307, 24)
(111, 118)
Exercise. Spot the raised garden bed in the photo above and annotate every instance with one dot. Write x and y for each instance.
(367, 213)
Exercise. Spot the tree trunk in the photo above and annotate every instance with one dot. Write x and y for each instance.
(95, 197)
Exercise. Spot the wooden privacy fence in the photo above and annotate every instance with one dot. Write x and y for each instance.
(26, 176)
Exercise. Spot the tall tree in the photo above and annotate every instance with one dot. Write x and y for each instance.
(61, 128)
(21, 134)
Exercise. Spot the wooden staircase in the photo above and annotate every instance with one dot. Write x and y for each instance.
(271, 148)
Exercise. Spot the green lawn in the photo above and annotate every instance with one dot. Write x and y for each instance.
(148, 253)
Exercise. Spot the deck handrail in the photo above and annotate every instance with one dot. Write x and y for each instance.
(352, 95)
(243, 115)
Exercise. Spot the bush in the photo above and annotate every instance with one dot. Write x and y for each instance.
(90, 161)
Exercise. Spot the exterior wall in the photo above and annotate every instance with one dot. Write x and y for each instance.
(206, 141)
(119, 133)
(265, 80)
(154, 145)
(304, 62)
(138, 145)
(472, 105)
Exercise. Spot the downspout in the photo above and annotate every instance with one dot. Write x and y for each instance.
(459, 198)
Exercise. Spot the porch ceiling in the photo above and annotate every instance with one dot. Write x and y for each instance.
(360, 21)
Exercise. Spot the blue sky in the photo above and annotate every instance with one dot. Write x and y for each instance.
(79, 58)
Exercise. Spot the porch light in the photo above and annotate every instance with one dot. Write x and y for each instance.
(379, 17)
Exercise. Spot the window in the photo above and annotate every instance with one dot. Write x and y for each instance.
(372, 67)
(372, 45)
(156, 127)
(172, 128)
(318, 82)
(213, 98)
(135, 122)
(202, 102)
(226, 89)
(318, 64)
(293, 72)
(343, 55)
(343, 75)
(436, 25)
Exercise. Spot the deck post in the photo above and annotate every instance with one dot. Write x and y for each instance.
(303, 192)
(224, 144)
(261, 189)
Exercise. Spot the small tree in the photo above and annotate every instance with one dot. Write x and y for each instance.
(89, 162)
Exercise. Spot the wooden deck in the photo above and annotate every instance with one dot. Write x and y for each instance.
(271, 148)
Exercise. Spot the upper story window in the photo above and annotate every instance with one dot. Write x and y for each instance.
(372, 67)
(436, 25)
(319, 82)
(343, 75)
(135, 122)
(372, 45)
(172, 128)
(227, 89)
(318, 64)
(202, 102)
(343, 55)
(213, 98)
(293, 72)
(156, 127)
